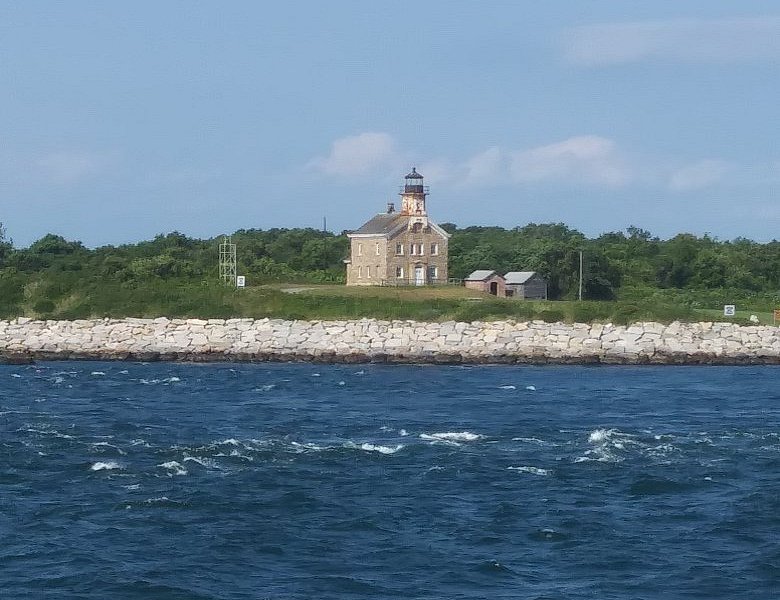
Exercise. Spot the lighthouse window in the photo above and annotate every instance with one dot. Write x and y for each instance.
(399, 272)
(360, 249)
(377, 248)
(435, 249)
(399, 249)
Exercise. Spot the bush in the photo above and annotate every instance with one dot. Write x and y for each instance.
(44, 306)
(551, 316)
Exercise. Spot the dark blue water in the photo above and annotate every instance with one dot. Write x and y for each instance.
(302, 481)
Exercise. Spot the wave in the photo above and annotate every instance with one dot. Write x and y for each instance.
(102, 445)
(531, 470)
(598, 436)
(451, 436)
(106, 466)
(609, 446)
(206, 463)
(173, 467)
(381, 449)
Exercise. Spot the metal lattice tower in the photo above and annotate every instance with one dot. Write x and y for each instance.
(227, 261)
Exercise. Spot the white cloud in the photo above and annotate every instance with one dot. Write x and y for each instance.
(485, 166)
(585, 160)
(698, 175)
(66, 168)
(729, 40)
(360, 154)
(589, 159)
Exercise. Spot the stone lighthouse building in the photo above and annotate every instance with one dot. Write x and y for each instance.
(400, 247)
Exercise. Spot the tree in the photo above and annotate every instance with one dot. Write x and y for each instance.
(6, 245)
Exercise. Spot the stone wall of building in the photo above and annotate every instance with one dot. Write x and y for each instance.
(368, 265)
(389, 341)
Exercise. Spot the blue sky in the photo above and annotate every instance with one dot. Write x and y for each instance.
(119, 121)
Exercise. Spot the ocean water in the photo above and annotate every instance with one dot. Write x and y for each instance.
(288, 481)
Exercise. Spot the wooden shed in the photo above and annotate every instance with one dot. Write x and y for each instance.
(486, 281)
(526, 285)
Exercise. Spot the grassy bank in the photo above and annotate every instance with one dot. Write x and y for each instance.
(331, 302)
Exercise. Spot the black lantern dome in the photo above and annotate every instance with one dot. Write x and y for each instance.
(413, 183)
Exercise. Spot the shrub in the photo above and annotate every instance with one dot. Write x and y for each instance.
(551, 316)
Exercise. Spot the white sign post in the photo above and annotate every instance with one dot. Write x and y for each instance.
(240, 281)
(729, 310)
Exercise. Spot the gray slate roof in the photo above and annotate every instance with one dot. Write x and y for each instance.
(382, 223)
(518, 277)
(480, 275)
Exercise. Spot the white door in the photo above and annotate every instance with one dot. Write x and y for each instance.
(419, 276)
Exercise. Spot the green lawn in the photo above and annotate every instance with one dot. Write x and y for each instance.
(339, 302)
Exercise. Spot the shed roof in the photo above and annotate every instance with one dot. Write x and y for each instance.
(480, 275)
(518, 277)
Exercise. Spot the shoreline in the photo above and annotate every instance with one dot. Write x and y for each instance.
(24, 340)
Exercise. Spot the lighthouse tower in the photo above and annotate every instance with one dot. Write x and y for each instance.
(413, 195)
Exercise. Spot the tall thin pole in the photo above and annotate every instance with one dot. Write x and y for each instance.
(580, 292)
(325, 241)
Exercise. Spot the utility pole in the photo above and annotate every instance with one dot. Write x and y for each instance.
(580, 292)
(325, 241)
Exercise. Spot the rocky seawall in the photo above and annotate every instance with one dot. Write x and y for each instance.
(369, 340)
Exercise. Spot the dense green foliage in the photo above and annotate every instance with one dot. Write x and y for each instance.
(177, 276)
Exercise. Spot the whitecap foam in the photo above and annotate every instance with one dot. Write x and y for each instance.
(107, 445)
(531, 470)
(381, 449)
(529, 440)
(157, 500)
(106, 466)
(97, 373)
(16, 375)
(207, 463)
(507, 387)
(600, 435)
(308, 447)
(610, 445)
(403, 432)
(174, 467)
(531, 388)
(451, 436)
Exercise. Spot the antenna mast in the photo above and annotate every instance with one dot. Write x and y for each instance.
(227, 261)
